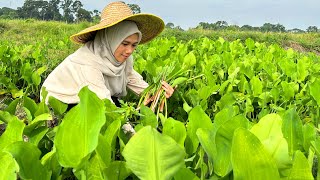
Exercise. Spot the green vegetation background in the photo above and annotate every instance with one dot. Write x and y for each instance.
(47, 33)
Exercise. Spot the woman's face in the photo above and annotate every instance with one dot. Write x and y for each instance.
(126, 48)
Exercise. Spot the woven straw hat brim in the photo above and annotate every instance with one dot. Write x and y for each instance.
(149, 25)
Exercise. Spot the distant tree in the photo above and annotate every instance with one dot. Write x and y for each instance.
(296, 30)
(178, 28)
(312, 29)
(214, 26)
(203, 25)
(83, 15)
(233, 27)
(219, 25)
(67, 11)
(28, 10)
(43, 9)
(96, 15)
(246, 28)
(76, 6)
(33, 9)
(135, 8)
(170, 25)
(267, 27)
(8, 13)
(279, 28)
(54, 10)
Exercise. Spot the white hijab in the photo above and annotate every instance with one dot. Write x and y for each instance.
(100, 54)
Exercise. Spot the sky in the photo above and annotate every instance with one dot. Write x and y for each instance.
(189, 13)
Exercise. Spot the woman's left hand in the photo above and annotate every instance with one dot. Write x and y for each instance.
(167, 88)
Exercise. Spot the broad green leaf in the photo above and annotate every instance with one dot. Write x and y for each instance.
(300, 168)
(197, 119)
(249, 158)
(256, 86)
(26, 72)
(185, 174)
(36, 79)
(207, 140)
(314, 90)
(30, 105)
(12, 106)
(302, 68)
(41, 119)
(233, 72)
(5, 116)
(292, 130)
(111, 135)
(162, 51)
(227, 58)
(249, 106)
(16, 93)
(176, 130)
(28, 114)
(309, 135)
(288, 67)
(151, 155)
(316, 145)
(250, 44)
(288, 91)
(50, 162)
(42, 109)
(189, 60)
(57, 106)
(148, 118)
(268, 130)
(179, 81)
(78, 134)
(93, 169)
(41, 70)
(186, 107)
(222, 116)
(117, 170)
(103, 151)
(217, 142)
(226, 100)
(37, 134)
(206, 91)
(193, 97)
(27, 156)
(8, 167)
(270, 68)
(223, 142)
(269, 125)
(275, 93)
(13, 132)
(224, 86)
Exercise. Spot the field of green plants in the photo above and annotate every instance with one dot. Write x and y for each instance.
(242, 109)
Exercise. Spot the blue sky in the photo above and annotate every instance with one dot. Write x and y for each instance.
(189, 13)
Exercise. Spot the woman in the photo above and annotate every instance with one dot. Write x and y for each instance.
(104, 63)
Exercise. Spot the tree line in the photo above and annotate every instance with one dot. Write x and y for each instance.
(266, 27)
(58, 10)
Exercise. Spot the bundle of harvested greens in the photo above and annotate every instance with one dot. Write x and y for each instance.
(155, 94)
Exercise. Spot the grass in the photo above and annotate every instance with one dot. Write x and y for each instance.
(54, 36)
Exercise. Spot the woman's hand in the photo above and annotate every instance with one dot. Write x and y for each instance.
(167, 88)
(168, 93)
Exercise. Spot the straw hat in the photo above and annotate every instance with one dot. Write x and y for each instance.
(115, 12)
